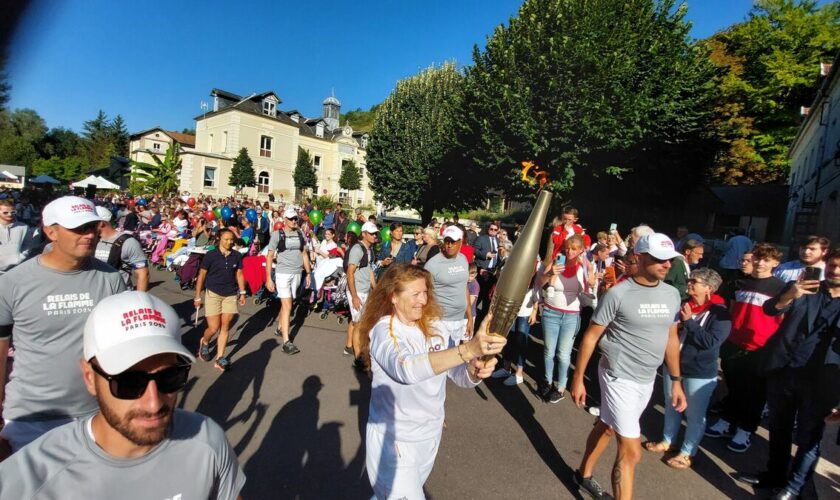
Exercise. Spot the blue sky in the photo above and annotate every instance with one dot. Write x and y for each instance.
(155, 61)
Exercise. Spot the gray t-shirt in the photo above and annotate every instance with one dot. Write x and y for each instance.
(131, 254)
(450, 278)
(194, 462)
(48, 309)
(637, 319)
(289, 261)
(362, 275)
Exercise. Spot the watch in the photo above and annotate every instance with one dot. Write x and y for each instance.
(676, 379)
(241, 292)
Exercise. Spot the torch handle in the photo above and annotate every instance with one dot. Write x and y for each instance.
(504, 314)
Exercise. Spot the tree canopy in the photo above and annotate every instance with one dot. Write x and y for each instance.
(242, 173)
(586, 87)
(161, 176)
(304, 176)
(350, 178)
(414, 158)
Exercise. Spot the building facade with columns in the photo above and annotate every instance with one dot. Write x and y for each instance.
(272, 138)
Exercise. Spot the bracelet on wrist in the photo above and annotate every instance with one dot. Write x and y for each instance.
(676, 378)
(242, 292)
(460, 354)
(198, 299)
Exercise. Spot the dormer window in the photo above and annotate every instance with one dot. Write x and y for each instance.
(319, 130)
(295, 117)
(269, 107)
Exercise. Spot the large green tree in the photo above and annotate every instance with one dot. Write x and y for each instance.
(162, 176)
(414, 159)
(242, 173)
(69, 169)
(21, 135)
(62, 143)
(350, 178)
(587, 88)
(119, 136)
(769, 68)
(98, 143)
(304, 176)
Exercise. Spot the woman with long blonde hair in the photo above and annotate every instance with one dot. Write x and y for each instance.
(409, 360)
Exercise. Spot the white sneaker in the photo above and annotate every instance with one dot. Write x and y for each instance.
(501, 373)
(595, 411)
(514, 380)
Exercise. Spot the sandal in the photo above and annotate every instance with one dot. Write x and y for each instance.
(679, 462)
(203, 351)
(658, 446)
(222, 364)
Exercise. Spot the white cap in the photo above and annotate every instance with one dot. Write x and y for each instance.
(290, 212)
(369, 227)
(453, 232)
(656, 245)
(70, 212)
(124, 329)
(104, 214)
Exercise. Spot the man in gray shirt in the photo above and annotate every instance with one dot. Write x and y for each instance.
(17, 239)
(289, 248)
(131, 259)
(44, 303)
(450, 273)
(360, 280)
(639, 319)
(136, 446)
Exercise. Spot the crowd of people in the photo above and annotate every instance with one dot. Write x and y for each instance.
(418, 304)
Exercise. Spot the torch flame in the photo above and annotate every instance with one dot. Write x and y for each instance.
(540, 176)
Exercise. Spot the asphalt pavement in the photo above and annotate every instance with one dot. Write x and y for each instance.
(297, 424)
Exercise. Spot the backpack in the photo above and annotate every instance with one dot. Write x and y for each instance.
(115, 255)
(365, 258)
(281, 244)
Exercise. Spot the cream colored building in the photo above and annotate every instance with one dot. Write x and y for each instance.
(272, 138)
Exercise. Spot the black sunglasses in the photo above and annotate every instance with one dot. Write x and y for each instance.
(293, 219)
(132, 384)
(86, 228)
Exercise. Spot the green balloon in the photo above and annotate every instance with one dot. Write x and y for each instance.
(385, 234)
(354, 227)
(316, 216)
(218, 212)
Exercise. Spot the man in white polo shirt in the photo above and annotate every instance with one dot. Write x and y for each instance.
(44, 303)
(450, 272)
(636, 325)
(137, 445)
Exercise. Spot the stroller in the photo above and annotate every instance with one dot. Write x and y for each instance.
(334, 298)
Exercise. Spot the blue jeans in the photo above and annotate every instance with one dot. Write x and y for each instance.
(698, 393)
(559, 330)
(519, 339)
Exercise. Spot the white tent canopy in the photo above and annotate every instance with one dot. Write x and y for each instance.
(99, 182)
(9, 175)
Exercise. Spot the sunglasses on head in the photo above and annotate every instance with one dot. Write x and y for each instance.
(132, 384)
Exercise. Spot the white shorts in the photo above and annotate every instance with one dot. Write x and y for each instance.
(20, 433)
(398, 469)
(622, 402)
(456, 329)
(356, 314)
(287, 285)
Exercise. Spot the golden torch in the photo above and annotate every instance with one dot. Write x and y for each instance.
(519, 268)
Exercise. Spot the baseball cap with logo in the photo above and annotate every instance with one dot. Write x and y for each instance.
(656, 245)
(70, 212)
(290, 213)
(453, 232)
(124, 329)
(104, 214)
(369, 227)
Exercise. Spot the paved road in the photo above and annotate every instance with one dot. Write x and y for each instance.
(296, 422)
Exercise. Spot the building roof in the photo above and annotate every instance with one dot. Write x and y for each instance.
(16, 170)
(756, 200)
(823, 93)
(182, 139)
(332, 100)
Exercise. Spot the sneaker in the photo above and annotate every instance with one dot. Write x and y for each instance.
(290, 348)
(595, 411)
(348, 351)
(740, 442)
(543, 388)
(719, 430)
(589, 486)
(359, 365)
(501, 373)
(513, 380)
(555, 396)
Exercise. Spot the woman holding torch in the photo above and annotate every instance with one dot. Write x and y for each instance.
(409, 359)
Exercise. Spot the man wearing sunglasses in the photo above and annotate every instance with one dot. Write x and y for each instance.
(635, 328)
(17, 240)
(44, 303)
(137, 445)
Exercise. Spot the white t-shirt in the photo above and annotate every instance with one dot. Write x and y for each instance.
(407, 397)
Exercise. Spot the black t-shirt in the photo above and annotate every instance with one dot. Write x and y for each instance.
(221, 272)
(131, 222)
